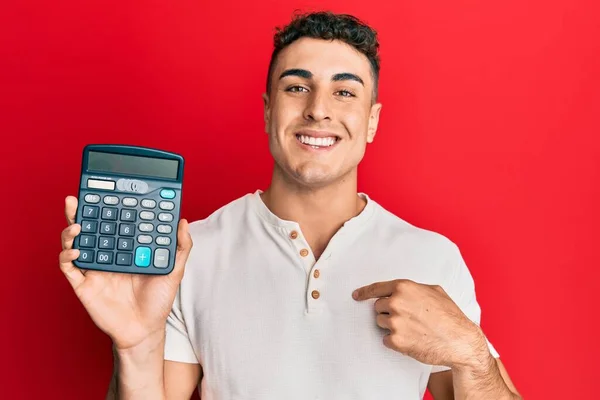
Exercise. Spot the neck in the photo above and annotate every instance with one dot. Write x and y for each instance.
(320, 212)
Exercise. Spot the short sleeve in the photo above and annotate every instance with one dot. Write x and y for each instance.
(178, 346)
(462, 291)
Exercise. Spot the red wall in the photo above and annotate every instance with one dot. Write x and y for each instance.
(489, 135)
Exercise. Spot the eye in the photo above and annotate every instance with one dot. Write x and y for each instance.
(297, 89)
(345, 93)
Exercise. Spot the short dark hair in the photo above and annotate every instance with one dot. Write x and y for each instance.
(329, 26)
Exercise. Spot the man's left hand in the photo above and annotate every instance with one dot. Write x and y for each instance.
(424, 323)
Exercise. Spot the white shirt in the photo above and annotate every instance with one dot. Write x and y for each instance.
(265, 325)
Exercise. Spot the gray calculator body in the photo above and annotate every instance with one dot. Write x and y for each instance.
(129, 209)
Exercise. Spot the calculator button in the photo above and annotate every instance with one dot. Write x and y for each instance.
(163, 240)
(167, 194)
(89, 226)
(147, 203)
(92, 199)
(144, 239)
(142, 256)
(111, 200)
(166, 205)
(125, 244)
(129, 202)
(127, 230)
(86, 256)
(108, 228)
(124, 258)
(147, 215)
(87, 241)
(106, 243)
(165, 217)
(145, 227)
(104, 257)
(128, 215)
(90, 211)
(161, 258)
(164, 229)
(109, 213)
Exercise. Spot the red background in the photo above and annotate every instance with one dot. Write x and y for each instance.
(489, 135)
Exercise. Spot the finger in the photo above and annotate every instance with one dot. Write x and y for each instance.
(70, 209)
(378, 289)
(391, 341)
(384, 321)
(73, 274)
(382, 305)
(184, 246)
(68, 235)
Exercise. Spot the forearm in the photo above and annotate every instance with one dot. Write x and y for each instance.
(139, 373)
(481, 378)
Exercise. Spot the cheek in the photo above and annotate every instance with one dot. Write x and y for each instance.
(356, 122)
(285, 112)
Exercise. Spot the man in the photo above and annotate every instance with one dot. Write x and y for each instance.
(308, 290)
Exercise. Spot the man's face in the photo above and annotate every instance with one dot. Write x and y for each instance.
(320, 113)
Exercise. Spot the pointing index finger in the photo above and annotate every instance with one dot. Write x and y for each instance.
(374, 290)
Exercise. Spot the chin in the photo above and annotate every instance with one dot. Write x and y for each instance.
(314, 177)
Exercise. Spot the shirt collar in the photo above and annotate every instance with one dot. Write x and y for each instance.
(354, 222)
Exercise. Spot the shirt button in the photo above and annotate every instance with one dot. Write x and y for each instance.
(316, 274)
(315, 294)
(303, 252)
(294, 234)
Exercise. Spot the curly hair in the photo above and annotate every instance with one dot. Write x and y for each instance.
(329, 26)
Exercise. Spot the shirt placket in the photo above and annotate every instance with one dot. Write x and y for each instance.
(315, 283)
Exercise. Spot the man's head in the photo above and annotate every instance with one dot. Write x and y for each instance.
(321, 102)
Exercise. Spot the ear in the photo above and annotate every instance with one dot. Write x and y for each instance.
(266, 105)
(373, 122)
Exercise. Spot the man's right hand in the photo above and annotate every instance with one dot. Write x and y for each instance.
(130, 308)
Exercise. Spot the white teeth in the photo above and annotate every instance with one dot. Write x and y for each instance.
(320, 142)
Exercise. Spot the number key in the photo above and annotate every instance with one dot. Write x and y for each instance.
(87, 241)
(126, 230)
(108, 228)
(125, 244)
(128, 215)
(86, 256)
(90, 211)
(106, 243)
(89, 226)
(109, 213)
(104, 257)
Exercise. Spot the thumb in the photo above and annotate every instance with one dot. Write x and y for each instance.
(184, 246)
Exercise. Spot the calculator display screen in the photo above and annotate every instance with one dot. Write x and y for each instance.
(132, 165)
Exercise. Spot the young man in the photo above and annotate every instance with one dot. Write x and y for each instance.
(267, 308)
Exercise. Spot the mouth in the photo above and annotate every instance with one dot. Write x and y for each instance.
(317, 143)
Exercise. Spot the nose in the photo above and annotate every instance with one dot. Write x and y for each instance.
(317, 107)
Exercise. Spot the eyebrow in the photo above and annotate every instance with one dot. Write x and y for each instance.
(302, 73)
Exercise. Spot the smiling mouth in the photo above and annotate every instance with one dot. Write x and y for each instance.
(318, 143)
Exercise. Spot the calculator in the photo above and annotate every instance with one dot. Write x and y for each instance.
(128, 209)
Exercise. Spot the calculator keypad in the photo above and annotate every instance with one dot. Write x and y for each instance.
(114, 232)
(148, 203)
